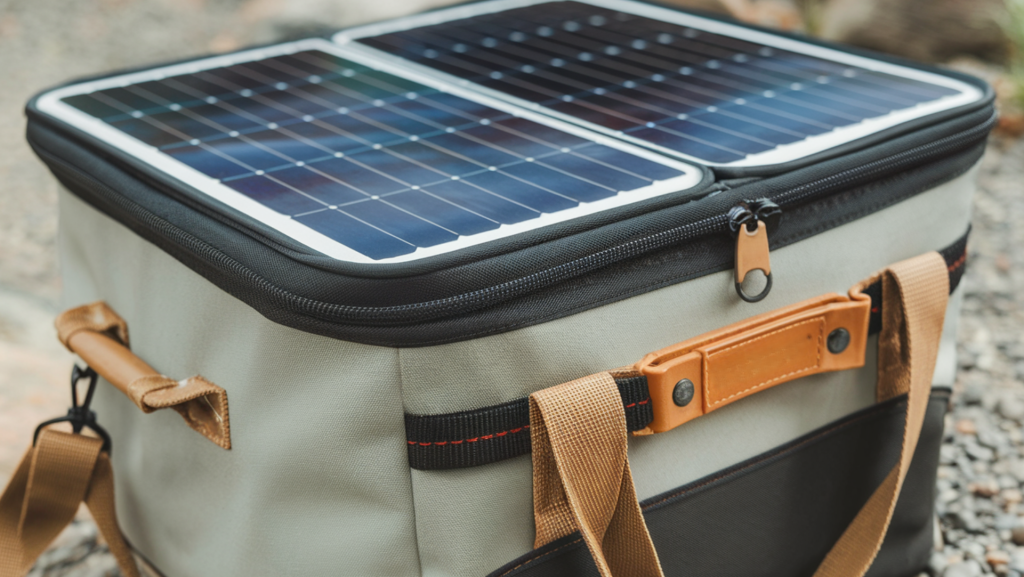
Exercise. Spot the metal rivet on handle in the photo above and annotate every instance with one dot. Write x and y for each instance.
(838, 340)
(683, 393)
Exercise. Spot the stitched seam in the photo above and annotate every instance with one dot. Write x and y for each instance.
(817, 360)
(501, 434)
(958, 262)
(473, 440)
(532, 559)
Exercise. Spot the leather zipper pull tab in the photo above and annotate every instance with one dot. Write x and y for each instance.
(752, 254)
(750, 222)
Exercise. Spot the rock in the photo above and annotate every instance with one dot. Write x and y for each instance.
(948, 454)
(985, 488)
(1005, 522)
(966, 427)
(997, 557)
(1012, 496)
(978, 453)
(1017, 560)
(969, 568)
(1011, 408)
(1017, 536)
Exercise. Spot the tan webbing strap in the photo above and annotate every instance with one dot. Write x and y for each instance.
(581, 476)
(914, 297)
(42, 497)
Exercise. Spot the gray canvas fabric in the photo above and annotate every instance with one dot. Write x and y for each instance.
(317, 478)
(317, 482)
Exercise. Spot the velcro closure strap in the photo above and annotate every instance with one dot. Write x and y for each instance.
(727, 365)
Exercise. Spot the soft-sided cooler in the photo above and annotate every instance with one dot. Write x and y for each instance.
(379, 421)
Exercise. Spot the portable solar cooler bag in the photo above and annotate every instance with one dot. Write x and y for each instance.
(426, 282)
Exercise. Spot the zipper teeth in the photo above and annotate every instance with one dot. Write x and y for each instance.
(936, 148)
(466, 302)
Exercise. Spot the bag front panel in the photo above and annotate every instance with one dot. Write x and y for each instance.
(317, 476)
(470, 519)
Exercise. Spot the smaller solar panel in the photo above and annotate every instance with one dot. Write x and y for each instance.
(688, 86)
(359, 162)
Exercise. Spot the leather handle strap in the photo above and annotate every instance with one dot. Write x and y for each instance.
(914, 295)
(56, 475)
(100, 336)
(581, 476)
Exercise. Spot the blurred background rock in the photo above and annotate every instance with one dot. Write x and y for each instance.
(46, 42)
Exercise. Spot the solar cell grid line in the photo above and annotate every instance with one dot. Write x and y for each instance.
(584, 31)
(683, 84)
(403, 168)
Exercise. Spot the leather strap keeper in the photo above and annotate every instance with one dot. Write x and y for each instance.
(729, 364)
(100, 337)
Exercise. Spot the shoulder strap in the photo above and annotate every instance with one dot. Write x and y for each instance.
(54, 477)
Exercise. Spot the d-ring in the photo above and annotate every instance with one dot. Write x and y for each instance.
(760, 296)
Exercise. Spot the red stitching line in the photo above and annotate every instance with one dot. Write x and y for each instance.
(501, 434)
(958, 262)
(473, 440)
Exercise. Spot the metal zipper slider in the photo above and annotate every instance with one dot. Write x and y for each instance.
(750, 221)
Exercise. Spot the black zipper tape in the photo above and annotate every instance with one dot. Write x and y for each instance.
(390, 325)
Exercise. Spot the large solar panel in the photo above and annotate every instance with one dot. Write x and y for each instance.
(356, 161)
(693, 87)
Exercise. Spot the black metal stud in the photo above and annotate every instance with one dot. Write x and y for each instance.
(682, 394)
(838, 340)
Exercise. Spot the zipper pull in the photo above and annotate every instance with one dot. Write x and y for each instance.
(751, 221)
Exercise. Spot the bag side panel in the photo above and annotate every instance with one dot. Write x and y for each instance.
(317, 477)
(470, 520)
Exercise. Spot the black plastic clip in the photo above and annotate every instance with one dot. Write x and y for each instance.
(80, 416)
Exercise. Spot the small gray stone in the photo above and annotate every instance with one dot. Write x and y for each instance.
(1011, 408)
(1006, 522)
(978, 453)
(1017, 560)
(969, 568)
(1017, 534)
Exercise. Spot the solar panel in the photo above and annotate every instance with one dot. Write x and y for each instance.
(356, 161)
(692, 87)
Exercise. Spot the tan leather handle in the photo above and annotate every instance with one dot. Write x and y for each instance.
(724, 366)
(100, 337)
(581, 475)
(110, 358)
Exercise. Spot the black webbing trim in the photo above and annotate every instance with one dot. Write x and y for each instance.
(955, 256)
(500, 432)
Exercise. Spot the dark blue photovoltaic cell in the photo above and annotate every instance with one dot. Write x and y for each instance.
(375, 162)
(445, 214)
(713, 97)
(483, 202)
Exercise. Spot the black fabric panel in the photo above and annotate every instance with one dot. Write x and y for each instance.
(498, 432)
(781, 512)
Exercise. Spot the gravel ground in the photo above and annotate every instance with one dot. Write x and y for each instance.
(982, 461)
(981, 514)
